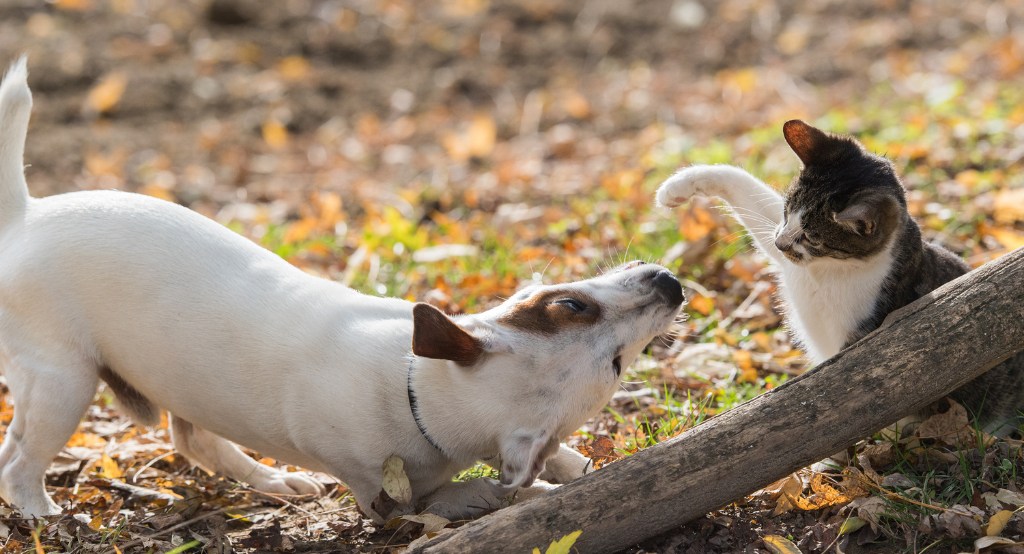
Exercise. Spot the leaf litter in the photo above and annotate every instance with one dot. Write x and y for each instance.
(389, 147)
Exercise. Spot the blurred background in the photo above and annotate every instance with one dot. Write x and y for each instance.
(453, 150)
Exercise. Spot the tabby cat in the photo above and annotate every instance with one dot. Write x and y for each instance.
(847, 252)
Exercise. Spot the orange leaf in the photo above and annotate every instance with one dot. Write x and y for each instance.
(530, 253)
(998, 522)
(1008, 206)
(39, 545)
(483, 134)
(293, 68)
(576, 105)
(330, 209)
(300, 230)
(827, 495)
(477, 141)
(745, 363)
(1009, 238)
(275, 134)
(109, 468)
(88, 440)
(778, 544)
(702, 304)
(73, 5)
(107, 93)
(697, 223)
(157, 191)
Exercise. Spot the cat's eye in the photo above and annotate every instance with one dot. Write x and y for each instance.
(572, 304)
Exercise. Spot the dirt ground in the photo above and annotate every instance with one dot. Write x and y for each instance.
(245, 110)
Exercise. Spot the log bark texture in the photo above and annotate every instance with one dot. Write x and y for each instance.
(921, 353)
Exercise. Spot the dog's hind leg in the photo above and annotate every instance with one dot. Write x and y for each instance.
(219, 455)
(49, 401)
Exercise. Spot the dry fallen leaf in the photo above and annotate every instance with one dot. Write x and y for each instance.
(1007, 237)
(785, 491)
(396, 482)
(698, 221)
(851, 524)
(701, 304)
(869, 509)
(1010, 497)
(780, 545)
(744, 362)
(1008, 206)
(105, 96)
(998, 522)
(986, 542)
(109, 469)
(431, 523)
(952, 426)
(275, 134)
(293, 68)
(562, 545)
(477, 140)
(73, 5)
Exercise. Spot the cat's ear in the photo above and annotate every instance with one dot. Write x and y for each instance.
(808, 142)
(866, 214)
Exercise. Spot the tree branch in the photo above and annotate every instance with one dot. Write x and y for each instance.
(923, 352)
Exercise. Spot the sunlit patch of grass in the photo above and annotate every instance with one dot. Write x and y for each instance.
(477, 471)
(728, 397)
(672, 414)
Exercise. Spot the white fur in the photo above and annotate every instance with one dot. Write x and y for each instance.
(824, 299)
(240, 346)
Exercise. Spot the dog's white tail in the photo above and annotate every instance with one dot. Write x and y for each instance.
(15, 107)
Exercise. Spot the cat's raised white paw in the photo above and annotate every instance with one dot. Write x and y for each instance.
(687, 183)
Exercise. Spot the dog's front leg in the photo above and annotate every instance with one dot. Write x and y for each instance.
(220, 455)
(466, 499)
(566, 465)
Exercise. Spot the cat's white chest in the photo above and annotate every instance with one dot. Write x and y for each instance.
(829, 298)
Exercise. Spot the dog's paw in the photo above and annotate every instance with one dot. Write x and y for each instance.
(565, 466)
(27, 496)
(41, 509)
(538, 488)
(291, 483)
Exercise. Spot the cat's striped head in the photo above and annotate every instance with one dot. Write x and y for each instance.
(846, 202)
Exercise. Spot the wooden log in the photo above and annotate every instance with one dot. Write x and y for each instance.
(921, 353)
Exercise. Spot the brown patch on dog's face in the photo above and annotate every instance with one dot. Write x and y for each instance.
(551, 311)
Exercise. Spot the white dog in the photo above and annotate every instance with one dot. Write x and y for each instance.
(175, 312)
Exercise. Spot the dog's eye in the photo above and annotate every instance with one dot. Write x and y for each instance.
(572, 304)
(617, 365)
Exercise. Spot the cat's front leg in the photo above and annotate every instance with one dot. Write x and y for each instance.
(757, 206)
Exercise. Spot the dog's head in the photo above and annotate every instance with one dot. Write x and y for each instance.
(535, 368)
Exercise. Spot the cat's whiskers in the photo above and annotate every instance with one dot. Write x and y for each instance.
(737, 211)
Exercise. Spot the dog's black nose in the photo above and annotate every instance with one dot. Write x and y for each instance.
(668, 287)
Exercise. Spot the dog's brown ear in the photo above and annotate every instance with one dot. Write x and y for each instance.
(435, 335)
